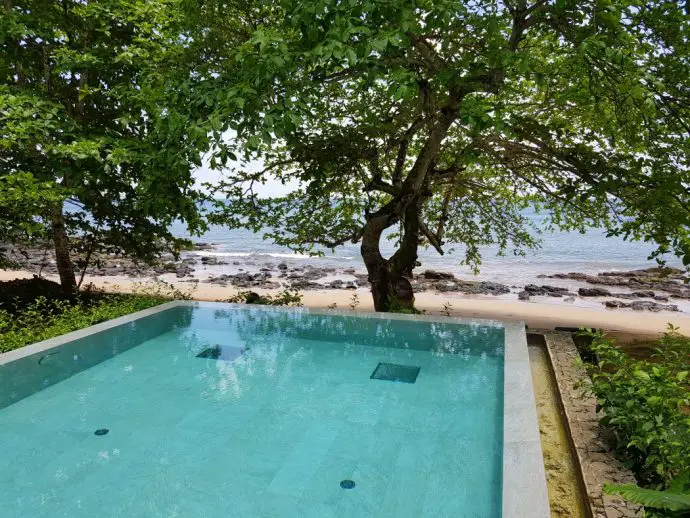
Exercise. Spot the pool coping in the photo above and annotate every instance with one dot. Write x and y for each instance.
(524, 490)
(524, 477)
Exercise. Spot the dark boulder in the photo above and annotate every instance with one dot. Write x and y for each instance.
(641, 305)
(615, 304)
(434, 275)
(593, 292)
(211, 260)
(646, 305)
(550, 291)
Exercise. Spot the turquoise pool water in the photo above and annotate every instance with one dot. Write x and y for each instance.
(231, 412)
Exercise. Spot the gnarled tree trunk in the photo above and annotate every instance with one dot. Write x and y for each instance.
(390, 278)
(65, 267)
(389, 289)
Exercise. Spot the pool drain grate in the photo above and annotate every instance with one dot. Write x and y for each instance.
(347, 484)
(226, 353)
(101, 431)
(395, 372)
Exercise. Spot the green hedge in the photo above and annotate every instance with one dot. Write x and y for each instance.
(46, 318)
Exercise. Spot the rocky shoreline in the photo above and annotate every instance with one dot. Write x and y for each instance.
(640, 290)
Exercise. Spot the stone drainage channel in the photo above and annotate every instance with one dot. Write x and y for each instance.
(566, 492)
(576, 448)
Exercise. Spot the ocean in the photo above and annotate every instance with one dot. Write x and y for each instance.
(560, 252)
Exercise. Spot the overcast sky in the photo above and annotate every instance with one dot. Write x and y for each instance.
(271, 189)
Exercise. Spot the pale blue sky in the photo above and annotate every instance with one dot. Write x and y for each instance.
(272, 187)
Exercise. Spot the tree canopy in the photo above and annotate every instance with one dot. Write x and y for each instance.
(441, 120)
(436, 122)
(91, 144)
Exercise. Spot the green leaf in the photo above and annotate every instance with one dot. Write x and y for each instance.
(640, 374)
(650, 497)
(681, 484)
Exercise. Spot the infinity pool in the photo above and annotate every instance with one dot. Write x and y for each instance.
(205, 410)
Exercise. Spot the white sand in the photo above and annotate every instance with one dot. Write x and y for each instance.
(537, 314)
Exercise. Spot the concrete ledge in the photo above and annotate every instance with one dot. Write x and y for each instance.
(524, 480)
(597, 463)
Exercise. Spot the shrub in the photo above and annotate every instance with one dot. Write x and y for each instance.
(674, 501)
(646, 403)
(284, 298)
(19, 293)
(49, 317)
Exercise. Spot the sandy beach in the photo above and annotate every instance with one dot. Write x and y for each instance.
(543, 313)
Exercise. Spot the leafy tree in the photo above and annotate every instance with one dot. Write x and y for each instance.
(644, 404)
(440, 120)
(21, 195)
(92, 144)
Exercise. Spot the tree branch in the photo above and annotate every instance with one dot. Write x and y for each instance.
(427, 52)
(402, 149)
(380, 185)
(536, 5)
(353, 238)
(432, 238)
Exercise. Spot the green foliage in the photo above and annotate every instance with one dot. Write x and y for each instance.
(86, 122)
(284, 298)
(22, 195)
(157, 290)
(447, 308)
(646, 404)
(675, 499)
(46, 318)
(404, 309)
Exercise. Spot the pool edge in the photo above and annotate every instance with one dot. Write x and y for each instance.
(360, 314)
(524, 477)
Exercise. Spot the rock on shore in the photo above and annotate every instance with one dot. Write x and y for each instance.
(641, 305)
(655, 284)
(671, 281)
